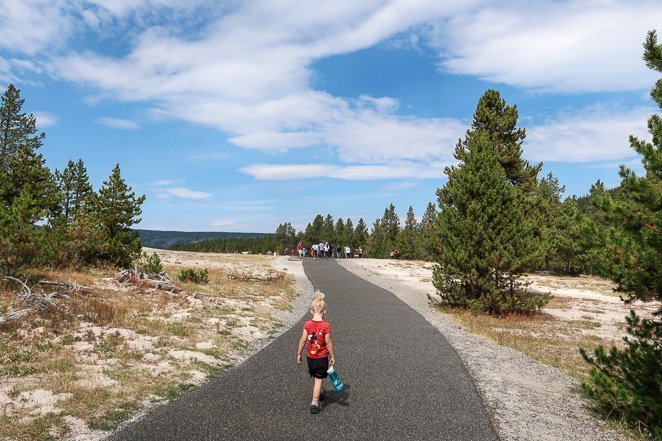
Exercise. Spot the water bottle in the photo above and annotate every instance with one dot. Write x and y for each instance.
(335, 379)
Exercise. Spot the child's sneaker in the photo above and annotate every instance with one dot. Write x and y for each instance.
(315, 408)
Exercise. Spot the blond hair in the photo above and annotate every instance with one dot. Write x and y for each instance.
(319, 305)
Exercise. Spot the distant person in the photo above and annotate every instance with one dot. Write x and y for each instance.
(315, 251)
(360, 252)
(318, 334)
(300, 249)
(338, 251)
(348, 251)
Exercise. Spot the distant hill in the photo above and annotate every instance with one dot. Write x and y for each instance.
(164, 239)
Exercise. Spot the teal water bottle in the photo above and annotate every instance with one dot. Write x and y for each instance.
(335, 379)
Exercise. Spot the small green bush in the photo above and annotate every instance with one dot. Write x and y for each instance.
(190, 275)
(626, 384)
(149, 264)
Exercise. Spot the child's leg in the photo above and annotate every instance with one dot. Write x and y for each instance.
(317, 388)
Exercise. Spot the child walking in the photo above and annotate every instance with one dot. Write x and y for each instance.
(318, 334)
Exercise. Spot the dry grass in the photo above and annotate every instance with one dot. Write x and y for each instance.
(543, 337)
(106, 354)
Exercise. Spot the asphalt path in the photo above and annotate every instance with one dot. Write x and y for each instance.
(404, 381)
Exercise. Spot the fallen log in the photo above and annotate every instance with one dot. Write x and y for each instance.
(140, 279)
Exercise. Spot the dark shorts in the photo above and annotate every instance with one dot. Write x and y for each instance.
(317, 367)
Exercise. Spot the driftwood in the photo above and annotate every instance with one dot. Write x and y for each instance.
(141, 280)
(67, 286)
(30, 302)
(272, 277)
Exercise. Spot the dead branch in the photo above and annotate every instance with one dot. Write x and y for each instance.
(67, 286)
(141, 280)
(30, 301)
(272, 277)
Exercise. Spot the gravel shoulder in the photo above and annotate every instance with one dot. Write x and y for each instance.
(526, 399)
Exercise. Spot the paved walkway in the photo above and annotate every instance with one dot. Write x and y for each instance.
(404, 381)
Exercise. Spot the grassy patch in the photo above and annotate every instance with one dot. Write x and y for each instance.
(174, 391)
(542, 337)
(44, 428)
(113, 418)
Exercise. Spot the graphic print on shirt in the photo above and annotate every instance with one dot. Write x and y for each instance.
(314, 342)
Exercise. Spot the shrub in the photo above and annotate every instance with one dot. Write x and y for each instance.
(627, 384)
(149, 264)
(190, 275)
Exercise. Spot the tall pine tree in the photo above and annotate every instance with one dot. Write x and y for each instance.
(484, 238)
(27, 189)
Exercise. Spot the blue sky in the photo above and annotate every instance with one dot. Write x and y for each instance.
(237, 116)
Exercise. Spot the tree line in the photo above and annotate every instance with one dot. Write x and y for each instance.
(57, 219)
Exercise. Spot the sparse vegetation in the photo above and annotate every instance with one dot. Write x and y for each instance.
(108, 352)
(190, 275)
(149, 263)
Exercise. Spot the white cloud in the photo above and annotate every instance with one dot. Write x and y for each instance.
(562, 46)
(185, 193)
(118, 123)
(45, 119)
(256, 86)
(31, 26)
(276, 172)
(591, 134)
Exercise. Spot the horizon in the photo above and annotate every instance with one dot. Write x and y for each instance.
(238, 117)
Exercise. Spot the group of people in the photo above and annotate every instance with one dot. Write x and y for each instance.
(324, 250)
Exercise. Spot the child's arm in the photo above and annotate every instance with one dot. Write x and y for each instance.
(329, 345)
(302, 342)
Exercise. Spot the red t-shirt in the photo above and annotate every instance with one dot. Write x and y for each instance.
(317, 332)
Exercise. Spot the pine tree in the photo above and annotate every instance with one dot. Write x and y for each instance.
(349, 234)
(328, 230)
(548, 194)
(75, 189)
(20, 163)
(377, 245)
(425, 235)
(117, 208)
(341, 237)
(27, 190)
(498, 121)
(627, 383)
(317, 229)
(484, 236)
(568, 251)
(360, 236)
(391, 226)
(407, 241)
